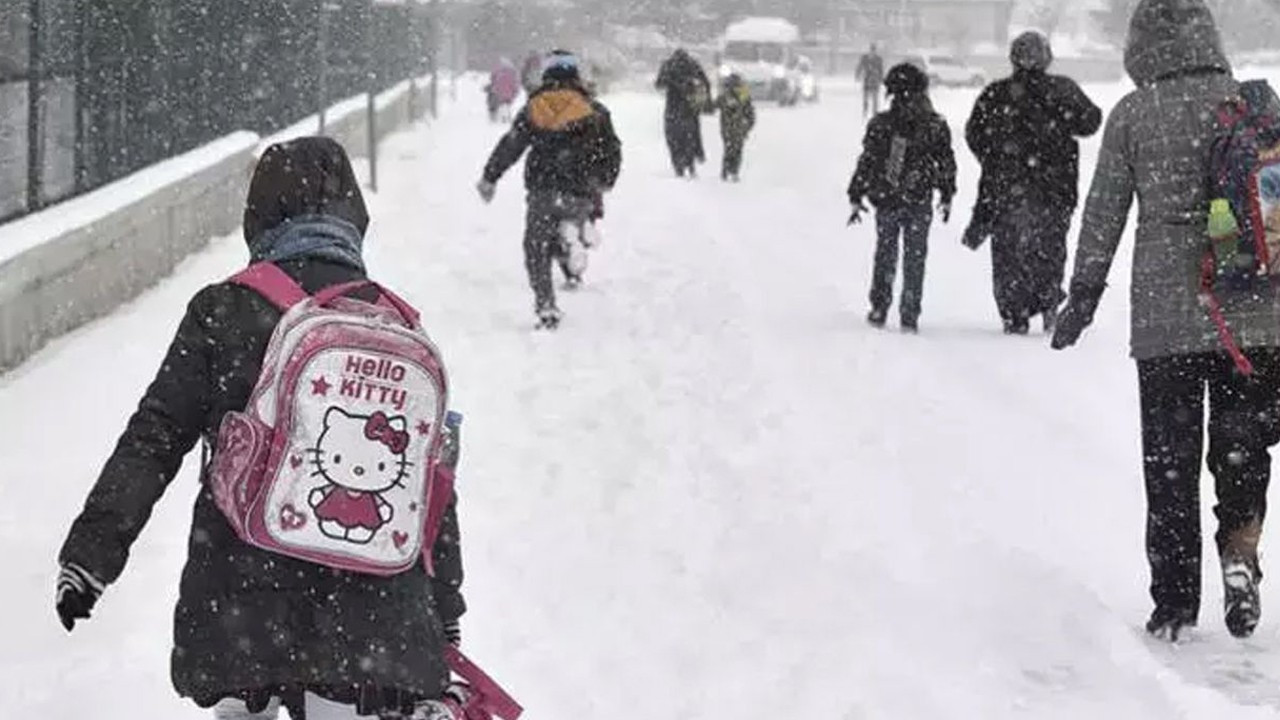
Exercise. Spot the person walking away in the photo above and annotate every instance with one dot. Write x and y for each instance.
(574, 157)
(256, 629)
(688, 95)
(906, 156)
(531, 73)
(1156, 147)
(1024, 131)
(737, 118)
(870, 73)
(503, 89)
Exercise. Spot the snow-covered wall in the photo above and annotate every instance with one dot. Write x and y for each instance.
(79, 260)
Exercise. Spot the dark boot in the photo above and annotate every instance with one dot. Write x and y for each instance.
(1240, 577)
(1170, 624)
(877, 318)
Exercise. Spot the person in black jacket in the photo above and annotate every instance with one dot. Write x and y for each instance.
(254, 629)
(737, 118)
(574, 157)
(1023, 131)
(871, 72)
(906, 156)
(688, 96)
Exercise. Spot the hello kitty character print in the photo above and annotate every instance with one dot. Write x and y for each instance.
(361, 458)
(334, 459)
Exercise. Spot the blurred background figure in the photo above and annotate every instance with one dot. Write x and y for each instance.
(502, 90)
(688, 96)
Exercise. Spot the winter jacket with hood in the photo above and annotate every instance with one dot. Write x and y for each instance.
(928, 164)
(249, 623)
(572, 146)
(1156, 148)
(1023, 131)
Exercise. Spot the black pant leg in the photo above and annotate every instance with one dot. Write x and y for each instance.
(915, 249)
(541, 239)
(1172, 391)
(888, 227)
(733, 146)
(1049, 262)
(1244, 422)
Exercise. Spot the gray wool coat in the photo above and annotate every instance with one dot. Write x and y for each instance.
(1156, 148)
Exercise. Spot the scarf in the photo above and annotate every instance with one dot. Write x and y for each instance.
(321, 237)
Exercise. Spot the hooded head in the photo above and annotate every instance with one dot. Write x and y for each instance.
(299, 184)
(561, 66)
(904, 80)
(1173, 37)
(1031, 52)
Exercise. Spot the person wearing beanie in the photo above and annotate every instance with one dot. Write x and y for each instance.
(688, 95)
(1156, 148)
(906, 157)
(1024, 132)
(737, 118)
(256, 630)
(574, 157)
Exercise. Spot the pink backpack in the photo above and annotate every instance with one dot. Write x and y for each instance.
(335, 459)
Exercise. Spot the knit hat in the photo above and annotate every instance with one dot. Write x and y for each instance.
(561, 66)
(906, 79)
(1031, 51)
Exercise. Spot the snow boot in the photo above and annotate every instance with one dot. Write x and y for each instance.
(1169, 624)
(1017, 326)
(910, 326)
(1240, 577)
(877, 318)
(548, 319)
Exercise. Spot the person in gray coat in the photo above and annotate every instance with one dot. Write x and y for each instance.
(1156, 147)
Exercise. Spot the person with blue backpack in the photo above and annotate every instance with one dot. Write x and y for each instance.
(1205, 313)
(272, 611)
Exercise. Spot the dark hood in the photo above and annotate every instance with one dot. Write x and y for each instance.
(306, 178)
(1173, 37)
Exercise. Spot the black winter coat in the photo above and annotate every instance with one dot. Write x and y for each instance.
(1023, 131)
(737, 113)
(572, 145)
(926, 162)
(249, 623)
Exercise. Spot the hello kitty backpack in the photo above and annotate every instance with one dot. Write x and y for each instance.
(335, 458)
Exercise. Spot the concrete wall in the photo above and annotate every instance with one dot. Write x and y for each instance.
(82, 259)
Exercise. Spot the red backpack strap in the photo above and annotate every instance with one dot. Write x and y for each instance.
(272, 283)
(1220, 319)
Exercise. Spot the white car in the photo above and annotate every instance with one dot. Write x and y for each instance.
(949, 71)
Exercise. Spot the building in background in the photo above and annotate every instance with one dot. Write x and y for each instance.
(903, 26)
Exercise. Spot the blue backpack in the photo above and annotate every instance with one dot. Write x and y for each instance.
(1244, 212)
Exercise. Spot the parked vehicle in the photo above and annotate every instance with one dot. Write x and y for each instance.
(947, 70)
(762, 50)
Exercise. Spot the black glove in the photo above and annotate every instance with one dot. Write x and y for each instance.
(453, 632)
(855, 218)
(944, 207)
(975, 235)
(1076, 316)
(78, 592)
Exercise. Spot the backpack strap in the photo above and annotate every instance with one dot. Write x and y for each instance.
(272, 283)
(1220, 319)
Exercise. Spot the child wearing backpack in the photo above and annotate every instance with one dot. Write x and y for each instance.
(1205, 308)
(324, 567)
(906, 156)
(737, 118)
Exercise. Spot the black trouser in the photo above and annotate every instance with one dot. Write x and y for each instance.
(911, 223)
(543, 242)
(1028, 260)
(733, 145)
(1244, 422)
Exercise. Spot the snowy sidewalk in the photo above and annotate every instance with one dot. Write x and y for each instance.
(714, 493)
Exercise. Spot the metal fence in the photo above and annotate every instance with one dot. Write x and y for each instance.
(91, 90)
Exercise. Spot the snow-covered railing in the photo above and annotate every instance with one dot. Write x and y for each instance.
(81, 259)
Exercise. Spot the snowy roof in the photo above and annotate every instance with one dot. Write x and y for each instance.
(763, 29)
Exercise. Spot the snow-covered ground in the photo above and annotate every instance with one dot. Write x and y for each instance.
(715, 493)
